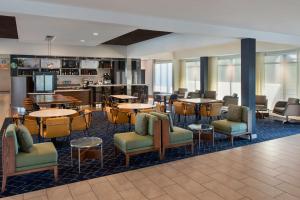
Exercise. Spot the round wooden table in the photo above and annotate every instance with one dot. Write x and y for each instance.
(51, 113)
(135, 106)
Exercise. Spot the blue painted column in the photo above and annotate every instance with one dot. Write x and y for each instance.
(248, 62)
(203, 74)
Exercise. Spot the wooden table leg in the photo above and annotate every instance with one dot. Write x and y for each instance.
(41, 128)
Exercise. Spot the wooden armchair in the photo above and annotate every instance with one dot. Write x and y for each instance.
(173, 136)
(42, 157)
(133, 143)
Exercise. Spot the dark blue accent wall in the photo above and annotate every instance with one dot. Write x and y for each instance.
(203, 74)
(248, 62)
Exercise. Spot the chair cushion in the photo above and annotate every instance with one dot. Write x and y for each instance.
(24, 139)
(180, 135)
(165, 116)
(141, 124)
(245, 113)
(42, 155)
(279, 110)
(151, 121)
(293, 101)
(131, 141)
(235, 113)
(11, 131)
(229, 127)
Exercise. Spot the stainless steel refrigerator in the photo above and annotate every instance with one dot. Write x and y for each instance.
(20, 86)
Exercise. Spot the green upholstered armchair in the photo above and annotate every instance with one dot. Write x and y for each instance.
(133, 143)
(43, 156)
(236, 123)
(173, 136)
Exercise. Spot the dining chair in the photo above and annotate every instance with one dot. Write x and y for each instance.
(184, 109)
(81, 121)
(31, 124)
(172, 99)
(116, 117)
(29, 106)
(57, 127)
(211, 111)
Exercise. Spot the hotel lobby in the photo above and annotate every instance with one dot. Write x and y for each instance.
(166, 100)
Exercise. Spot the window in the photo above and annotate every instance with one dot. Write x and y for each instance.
(229, 76)
(163, 77)
(192, 78)
(280, 76)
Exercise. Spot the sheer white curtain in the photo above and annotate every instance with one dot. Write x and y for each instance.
(163, 77)
(280, 76)
(192, 79)
(229, 76)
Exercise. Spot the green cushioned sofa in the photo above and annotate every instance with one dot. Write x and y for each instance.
(173, 136)
(236, 123)
(132, 143)
(43, 156)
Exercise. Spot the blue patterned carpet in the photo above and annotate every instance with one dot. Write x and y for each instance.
(267, 129)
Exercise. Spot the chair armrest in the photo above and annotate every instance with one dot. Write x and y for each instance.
(8, 154)
(292, 110)
(157, 134)
(165, 132)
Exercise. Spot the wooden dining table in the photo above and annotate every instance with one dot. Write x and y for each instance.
(135, 106)
(198, 102)
(53, 99)
(124, 97)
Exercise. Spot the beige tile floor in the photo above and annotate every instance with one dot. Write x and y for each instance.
(263, 171)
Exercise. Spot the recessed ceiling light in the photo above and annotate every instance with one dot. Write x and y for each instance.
(95, 34)
(82, 40)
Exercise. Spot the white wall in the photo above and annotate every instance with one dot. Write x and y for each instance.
(9, 46)
(5, 81)
(148, 66)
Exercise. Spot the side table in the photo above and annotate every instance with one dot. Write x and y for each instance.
(205, 129)
(87, 144)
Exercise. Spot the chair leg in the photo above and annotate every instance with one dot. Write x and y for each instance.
(163, 153)
(160, 154)
(127, 159)
(192, 148)
(107, 127)
(231, 138)
(116, 151)
(55, 173)
(4, 178)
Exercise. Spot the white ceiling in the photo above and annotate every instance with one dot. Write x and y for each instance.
(195, 23)
(263, 15)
